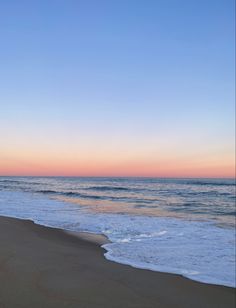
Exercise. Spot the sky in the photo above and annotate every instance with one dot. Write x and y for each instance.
(117, 88)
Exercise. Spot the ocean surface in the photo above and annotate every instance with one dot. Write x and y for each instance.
(183, 226)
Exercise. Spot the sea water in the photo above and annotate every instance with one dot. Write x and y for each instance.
(182, 226)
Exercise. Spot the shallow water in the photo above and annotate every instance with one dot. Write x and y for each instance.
(183, 226)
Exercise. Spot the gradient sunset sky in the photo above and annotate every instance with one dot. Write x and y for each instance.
(117, 88)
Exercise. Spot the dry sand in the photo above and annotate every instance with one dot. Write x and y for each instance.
(43, 267)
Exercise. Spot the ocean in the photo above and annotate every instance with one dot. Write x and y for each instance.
(181, 226)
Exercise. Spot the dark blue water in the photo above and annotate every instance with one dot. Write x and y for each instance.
(193, 198)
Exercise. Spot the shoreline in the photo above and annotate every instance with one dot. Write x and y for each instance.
(102, 240)
(48, 267)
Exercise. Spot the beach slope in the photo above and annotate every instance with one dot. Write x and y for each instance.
(43, 267)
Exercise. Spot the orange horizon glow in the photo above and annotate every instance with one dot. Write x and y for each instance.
(146, 158)
(165, 160)
(162, 168)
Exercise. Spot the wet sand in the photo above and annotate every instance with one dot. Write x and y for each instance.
(43, 267)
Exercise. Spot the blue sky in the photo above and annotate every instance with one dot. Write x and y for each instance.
(79, 73)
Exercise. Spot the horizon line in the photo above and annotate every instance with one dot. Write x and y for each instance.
(110, 176)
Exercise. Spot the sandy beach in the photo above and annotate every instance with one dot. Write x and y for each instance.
(45, 267)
